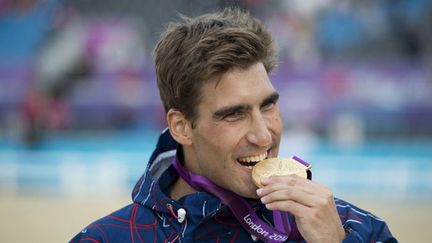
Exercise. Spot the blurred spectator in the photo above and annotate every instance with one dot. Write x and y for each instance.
(88, 61)
(77, 50)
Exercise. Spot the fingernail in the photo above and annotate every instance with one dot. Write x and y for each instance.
(269, 207)
(259, 191)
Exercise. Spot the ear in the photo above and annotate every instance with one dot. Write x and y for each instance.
(179, 127)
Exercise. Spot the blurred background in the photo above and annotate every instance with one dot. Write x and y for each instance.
(80, 111)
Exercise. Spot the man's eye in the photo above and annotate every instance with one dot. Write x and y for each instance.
(233, 116)
(269, 105)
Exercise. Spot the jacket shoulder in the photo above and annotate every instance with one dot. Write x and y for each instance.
(113, 227)
(361, 225)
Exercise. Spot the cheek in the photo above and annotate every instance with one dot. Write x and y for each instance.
(278, 123)
(217, 139)
(277, 117)
(274, 121)
(224, 135)
(222, 141)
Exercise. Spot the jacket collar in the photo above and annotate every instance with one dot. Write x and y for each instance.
(153, 188)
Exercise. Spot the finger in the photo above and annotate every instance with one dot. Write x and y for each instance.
(297, 189)
(295, 208)
(291, 195)
(276, 183)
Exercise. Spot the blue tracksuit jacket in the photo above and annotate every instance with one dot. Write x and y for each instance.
(154, 217)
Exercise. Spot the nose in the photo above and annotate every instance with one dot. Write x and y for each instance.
(259, 132)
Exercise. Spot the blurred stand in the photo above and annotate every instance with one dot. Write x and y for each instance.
(87, 65)
(80, 72)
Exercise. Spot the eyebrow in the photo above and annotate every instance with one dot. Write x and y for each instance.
(273, 98)
(224, 111)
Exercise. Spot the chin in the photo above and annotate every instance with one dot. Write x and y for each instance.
(248, 194)
(255, 197)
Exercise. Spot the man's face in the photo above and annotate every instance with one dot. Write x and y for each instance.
(238, 124)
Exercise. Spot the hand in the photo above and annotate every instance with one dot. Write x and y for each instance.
(311, 203)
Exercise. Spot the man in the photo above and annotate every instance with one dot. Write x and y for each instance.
(223, 118)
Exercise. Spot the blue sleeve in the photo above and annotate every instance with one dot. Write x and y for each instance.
(362, 226)
(355, 237)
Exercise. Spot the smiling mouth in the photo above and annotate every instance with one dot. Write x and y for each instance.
(251, 161)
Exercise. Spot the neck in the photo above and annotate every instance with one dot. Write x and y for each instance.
(180, 188)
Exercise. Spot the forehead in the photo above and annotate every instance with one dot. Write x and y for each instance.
(237, 86)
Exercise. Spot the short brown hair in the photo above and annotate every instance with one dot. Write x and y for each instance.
(198, 50)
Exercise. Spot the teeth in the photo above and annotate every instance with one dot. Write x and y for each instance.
(255, 158)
